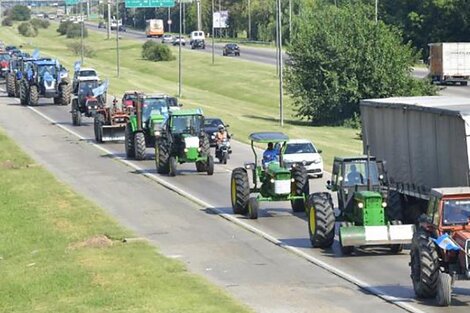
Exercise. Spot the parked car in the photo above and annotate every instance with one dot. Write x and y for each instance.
(303, 151)
(179, 41)
(231, 49)
(211, 125)
(167, 38)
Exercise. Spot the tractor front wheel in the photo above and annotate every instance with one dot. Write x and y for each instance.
(299, 187)
(98, 123)
(139, 146)
(253, 208)
(172, 162)
(33, 96)
(76, 117)
(65, 94)
(321, 220)
(444, 289)
(162, 159)
(23, 94)
(345, 250)
(10, 84)
(239, 190)
(424, 265)
(210, 165)
(200, 166)
(129, 142)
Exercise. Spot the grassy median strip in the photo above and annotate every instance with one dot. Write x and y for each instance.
(59, 253)
(245, 94)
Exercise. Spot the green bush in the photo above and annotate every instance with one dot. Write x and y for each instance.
(76, 48)
(7, 21)
(27, 29)
(62, 30)
(156, 52)
(40, 23)
(74, 31)
(20, 13)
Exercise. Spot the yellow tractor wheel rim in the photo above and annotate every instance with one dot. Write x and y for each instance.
(312, 220)
(234, 192)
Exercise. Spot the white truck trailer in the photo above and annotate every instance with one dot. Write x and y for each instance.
(425, 142)
(449, 62)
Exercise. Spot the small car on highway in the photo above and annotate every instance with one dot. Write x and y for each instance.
(231, 49)
(303, 151)
(179, 41)
(167, 38)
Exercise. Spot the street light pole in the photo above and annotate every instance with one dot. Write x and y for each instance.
(213, 33)
(117, 37)
(249, 19)
(180, 69)
(108, 28)
(290, 20)
(81, 34)
(169, 20)
(281, 100)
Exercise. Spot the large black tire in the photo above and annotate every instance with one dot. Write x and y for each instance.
(321, 220)
(129, 142)
(200, 166)
(210, 165)
(139, 146)
(65, 94)
(300, 187)
(162, 157)
(205, 146)
(76, 116)
(397, 248)
(239, 190)
(173, 165)
(345, 250)
(33, 98)
(23, 94)
(253, 207)
(98, 125)
(394, 206)
(444, 289)
(424, 265)
(10, 85)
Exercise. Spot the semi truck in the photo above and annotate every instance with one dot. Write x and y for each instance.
(449, 62)
(154, 28)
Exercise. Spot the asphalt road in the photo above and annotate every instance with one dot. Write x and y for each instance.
(375, 269)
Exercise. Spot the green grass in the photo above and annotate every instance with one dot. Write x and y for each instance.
(47, 264)
(244, 94)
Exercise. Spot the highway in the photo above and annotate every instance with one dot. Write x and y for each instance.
(375, 270)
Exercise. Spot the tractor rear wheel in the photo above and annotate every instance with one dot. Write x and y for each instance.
(162, 159)
(172, 162)
(253, 208)
(444, 289)
(424, 265)
(139, 146)
(239, 190)
(299, 187)
(33, 95)
(345, 250)
(210, 165)
(200, 166)
(23, 94)
(65, 94)
(321, 220)
(10, 84)
(129, 141)
(98, 123)
(397, 248)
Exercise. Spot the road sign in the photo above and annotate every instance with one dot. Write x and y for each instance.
(71, 2)
(150, 3)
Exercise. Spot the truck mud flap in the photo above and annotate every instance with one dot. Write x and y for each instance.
(376, 235)
(113, 133)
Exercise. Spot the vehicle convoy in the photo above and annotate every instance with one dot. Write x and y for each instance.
(449, 62)
(45, 78)
(271, 181)
(365, 219)
(110, 122)
(154, 28)
(146, 121)
(183, 140)
(85, 101)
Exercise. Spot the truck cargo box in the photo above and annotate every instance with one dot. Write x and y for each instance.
(449, 61)
(422, 139)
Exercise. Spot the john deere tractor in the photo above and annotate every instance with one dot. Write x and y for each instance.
(440, 252)
(182, 140)
(271, 181)
(363, 212)
(145, 122)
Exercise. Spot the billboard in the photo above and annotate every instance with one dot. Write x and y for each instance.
(220, 19)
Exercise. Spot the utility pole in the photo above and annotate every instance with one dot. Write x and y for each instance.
(249, 20)
(198, 8)
(169, 20)
(277, 38)
(184, 18)
(281, 88)
(180, 69)
(108, 26)
(117, 37)
(81, 34)
(213, 33)
(290, 20)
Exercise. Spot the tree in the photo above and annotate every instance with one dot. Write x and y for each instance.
(339, 55)
(20, 13)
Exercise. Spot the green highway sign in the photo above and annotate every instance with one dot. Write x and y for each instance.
(150, 3)
(71, 2)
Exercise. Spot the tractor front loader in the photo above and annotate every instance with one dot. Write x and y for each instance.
(110, 123)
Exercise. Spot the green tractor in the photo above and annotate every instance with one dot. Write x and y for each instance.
(183, 140)
(272, 181)
(145, 122)
(364, 216)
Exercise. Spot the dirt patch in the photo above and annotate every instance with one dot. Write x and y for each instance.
(100, 241)
(9, 165)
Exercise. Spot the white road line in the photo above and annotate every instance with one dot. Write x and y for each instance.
(350, 278)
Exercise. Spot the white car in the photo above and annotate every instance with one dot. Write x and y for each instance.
(303, 151)
(177, 40)
(167, 38)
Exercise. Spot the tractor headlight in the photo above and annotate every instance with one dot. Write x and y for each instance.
(292, 180)
(248, 166)
(186, 150)
(272, 180)
(199, 149)
(360, 205)
(384, 204)
(157, 133)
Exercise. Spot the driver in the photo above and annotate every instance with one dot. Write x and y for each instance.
(270, 154)
(354, 177)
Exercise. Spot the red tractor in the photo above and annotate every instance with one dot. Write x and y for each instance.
(440, 251)
(110, 123)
